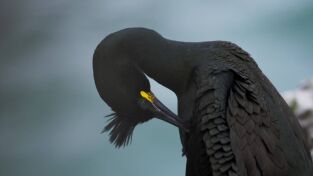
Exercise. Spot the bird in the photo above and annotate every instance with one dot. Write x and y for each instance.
(232, 121)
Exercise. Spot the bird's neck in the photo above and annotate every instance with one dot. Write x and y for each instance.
(164, 61)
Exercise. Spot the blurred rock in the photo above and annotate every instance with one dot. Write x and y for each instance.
(301, 102)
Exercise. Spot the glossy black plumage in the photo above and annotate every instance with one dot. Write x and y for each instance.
(239, 124)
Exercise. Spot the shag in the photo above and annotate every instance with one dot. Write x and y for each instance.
(232, 120)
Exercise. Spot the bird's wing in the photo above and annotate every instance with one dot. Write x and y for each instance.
(253, 133)
(226, 93)
(210, 123)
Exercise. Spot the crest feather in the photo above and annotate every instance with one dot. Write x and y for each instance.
(120, 129)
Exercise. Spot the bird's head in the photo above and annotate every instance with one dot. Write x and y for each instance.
(123, 85)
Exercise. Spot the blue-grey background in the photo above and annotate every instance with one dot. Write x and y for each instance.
(50, 113)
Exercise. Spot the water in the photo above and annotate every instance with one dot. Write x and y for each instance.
(50, 113)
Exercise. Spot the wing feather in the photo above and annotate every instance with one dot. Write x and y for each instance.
(252, 130)
(241, 134)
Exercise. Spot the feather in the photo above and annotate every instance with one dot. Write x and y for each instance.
(120, 129)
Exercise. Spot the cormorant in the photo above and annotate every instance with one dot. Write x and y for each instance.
(232, 120)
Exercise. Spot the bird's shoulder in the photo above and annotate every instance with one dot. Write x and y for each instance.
(230, 52)
(229, 46)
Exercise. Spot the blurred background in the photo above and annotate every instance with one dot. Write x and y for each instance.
(50, 113)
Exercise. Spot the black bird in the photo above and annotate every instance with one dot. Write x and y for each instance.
(232, 120)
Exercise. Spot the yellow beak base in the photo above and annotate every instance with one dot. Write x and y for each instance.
(147, 95)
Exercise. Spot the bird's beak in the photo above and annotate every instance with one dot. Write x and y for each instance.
(163, 113)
